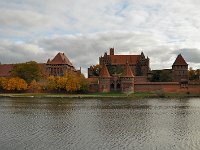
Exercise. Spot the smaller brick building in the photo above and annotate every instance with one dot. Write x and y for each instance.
(59, 65)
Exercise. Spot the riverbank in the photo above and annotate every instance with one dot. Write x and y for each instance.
(103, 95)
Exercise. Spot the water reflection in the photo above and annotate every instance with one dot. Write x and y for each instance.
(56, 123)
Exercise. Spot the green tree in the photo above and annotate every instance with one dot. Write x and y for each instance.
(161, 75)
(28, 71)
(118, 69)
(191, 73)
(166, 76)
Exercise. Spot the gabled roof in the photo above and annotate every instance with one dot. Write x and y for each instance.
(122, 59)
(5, 70)
(104, 71)
(60, 58)
(179, 60)
(127, 71)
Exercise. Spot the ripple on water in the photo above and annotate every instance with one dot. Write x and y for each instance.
(99, 124)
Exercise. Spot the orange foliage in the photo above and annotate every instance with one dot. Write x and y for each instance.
(13, 84)
(34, 86)
(71, 82)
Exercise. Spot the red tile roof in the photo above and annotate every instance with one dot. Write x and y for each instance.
(127, 71)
(104, 71)
(180, 60)
(60, 58)
(5, 70)
(122, 59)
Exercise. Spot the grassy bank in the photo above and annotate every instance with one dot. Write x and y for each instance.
(136, 95)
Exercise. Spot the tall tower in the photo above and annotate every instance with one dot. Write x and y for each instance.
(112, 51)
(127, 79)
(180, 69)
(104, 80)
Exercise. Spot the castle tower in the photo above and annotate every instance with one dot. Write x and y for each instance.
(127, 79)
(59, 65)
(180, 69)
(112, 51)
(104, 80)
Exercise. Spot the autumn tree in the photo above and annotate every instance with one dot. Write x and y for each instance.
(3, 83)
(73, 83)
(14, 84)
(51, 83)
(34, 86)
(28, 71)
(61, 83)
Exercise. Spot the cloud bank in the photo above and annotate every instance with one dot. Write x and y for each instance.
(84, 30)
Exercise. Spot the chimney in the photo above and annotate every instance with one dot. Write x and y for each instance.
(112, 51)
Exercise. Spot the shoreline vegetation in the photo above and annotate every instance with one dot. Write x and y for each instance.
(137, 95)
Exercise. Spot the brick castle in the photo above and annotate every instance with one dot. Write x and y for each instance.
(132, 72)
(125, 73)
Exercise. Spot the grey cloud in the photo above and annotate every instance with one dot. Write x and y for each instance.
(84, 30)
(191, 55)
(85, 50)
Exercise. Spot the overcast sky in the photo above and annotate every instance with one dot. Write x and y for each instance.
(85, 29)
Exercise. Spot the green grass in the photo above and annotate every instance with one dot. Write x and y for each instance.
(136, 95)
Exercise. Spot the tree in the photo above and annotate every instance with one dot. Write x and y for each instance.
(61, 83)
(51, 83)
(3, 83)
(28, 71)
(166, 76)
(14, 84)
(34, 86)
(191, 74)
(119, 69)
(73, 83)
(83, 83)
(197, 73)
(161, 75)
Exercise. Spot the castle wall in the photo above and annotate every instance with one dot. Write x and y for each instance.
(168, 87)
(139, 79)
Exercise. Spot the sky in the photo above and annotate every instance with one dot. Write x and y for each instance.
(85, 29)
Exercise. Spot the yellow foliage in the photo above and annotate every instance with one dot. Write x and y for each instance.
(51, 82)
(73, 82)
(34, 85)
(3, 82)
(61, 83)
(13, 84)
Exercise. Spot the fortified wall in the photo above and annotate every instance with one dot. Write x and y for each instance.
(135, 77)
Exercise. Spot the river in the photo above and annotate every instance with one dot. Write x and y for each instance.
(108, 124)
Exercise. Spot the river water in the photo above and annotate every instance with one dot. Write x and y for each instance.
(90, 124)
